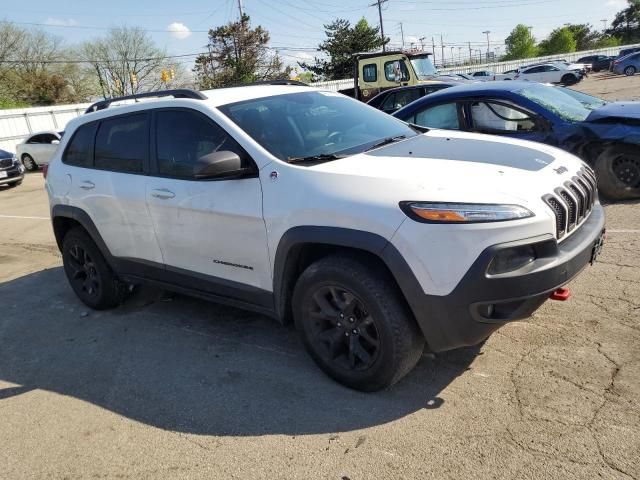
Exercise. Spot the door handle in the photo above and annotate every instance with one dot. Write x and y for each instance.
(162, 193)
(87, 185)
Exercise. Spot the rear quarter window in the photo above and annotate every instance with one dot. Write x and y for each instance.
(79, 151)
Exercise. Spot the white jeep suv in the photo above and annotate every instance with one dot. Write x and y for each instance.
(375, 237)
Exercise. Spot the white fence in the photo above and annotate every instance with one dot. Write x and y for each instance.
(497, 67)
(18, 123)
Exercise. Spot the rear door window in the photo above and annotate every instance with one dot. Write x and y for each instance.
(122, 143)
(439, 116)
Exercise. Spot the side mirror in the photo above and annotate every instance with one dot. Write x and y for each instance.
(222, 164)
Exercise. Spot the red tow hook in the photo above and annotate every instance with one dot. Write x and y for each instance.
(561, 294)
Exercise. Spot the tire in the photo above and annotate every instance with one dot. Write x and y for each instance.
(88, 273)
(29, 163)
(15, 184)
(355, 324)
(630, 71)
(569, 79)
(618, 172)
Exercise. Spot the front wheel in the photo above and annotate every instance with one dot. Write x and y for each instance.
(91, 278)
(355, 324)
(618, 172)
(568, 79)
(630, 71)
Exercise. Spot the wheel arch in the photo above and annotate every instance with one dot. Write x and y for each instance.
(66, 217)
(299, 247)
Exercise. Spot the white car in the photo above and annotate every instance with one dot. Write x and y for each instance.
(548, 73)
(508, 75)
(38, 148)
(376, 239)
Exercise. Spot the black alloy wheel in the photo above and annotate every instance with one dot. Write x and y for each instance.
(343, 329)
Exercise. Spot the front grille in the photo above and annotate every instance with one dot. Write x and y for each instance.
(572, 203)
(6, 162)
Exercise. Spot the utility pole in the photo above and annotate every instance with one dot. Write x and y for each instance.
(433, 49)
(379, 5)
(604, 24)
(470, 54)
(402, 35)
(487, 32)
(442, 49)
(421, 39)
(241, 9)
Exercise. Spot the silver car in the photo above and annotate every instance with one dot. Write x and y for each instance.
(38, 148)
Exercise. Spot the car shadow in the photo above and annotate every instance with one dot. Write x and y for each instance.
(187, 365)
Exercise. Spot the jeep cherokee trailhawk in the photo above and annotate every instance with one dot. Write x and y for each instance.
(375, 237)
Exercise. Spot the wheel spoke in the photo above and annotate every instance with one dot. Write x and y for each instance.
(364, 334)
(357, 351)
(337, 297)
(350, 305)
(322, 302)
(76, 270)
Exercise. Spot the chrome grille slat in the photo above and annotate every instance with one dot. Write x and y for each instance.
(572, 202)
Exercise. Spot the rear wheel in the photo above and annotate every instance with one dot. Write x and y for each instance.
(618, 171)
(29, 163)
(354, 323)
(91, 278)
(630, 71)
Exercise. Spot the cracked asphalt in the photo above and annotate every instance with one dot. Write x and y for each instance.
(172, 387)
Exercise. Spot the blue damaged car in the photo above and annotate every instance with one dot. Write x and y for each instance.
(604, 134)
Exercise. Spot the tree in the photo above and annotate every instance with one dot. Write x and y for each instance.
(626, 25)
(341, 44)
(560, 40)
(125, 61)
(585, 36)
(520, 44)
(606, 41)
(238, 54)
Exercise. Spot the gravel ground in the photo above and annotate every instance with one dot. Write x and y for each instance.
(172, 387)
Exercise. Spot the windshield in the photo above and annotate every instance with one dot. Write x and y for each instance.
(559, 101)
(589, 101)
(424, 67)
(313, 123)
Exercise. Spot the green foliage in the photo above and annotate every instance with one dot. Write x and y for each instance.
(606, 41)
(238, 54)
(342, 42)
(626, 25)
(585, 36)
(520, 44)
(560, 40)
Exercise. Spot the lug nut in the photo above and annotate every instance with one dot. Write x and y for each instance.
(346, 334)
(355, 332)
(351, 319)
(341, 315)
(339, 324)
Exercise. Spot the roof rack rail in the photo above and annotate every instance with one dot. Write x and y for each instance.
(275, 82)
(176, 93)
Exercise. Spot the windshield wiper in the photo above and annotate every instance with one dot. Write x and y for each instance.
(386, 141)
(322, 157)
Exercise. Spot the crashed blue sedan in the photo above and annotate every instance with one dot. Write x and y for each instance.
(604, 134)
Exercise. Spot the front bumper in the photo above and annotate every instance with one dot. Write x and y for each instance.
(482, 303)
(14, 174)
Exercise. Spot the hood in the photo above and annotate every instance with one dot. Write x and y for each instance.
(443, 165)
(616, 110)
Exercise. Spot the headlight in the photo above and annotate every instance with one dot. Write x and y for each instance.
(440, 212)
(18, 164)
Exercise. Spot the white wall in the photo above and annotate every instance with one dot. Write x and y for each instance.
(18, 123)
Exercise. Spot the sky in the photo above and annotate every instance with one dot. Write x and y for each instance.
(296, 26)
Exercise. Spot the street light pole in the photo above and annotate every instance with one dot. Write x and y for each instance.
(487, 32)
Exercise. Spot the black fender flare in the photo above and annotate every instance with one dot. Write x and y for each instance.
(284, 261)
(83, 218)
